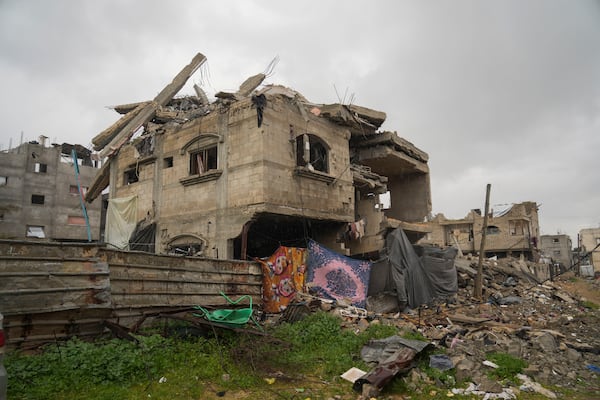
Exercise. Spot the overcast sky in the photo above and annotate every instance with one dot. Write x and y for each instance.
(500, 92)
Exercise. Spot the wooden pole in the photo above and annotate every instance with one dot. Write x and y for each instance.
(478, 289)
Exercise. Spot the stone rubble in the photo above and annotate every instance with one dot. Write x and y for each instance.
(543, 324)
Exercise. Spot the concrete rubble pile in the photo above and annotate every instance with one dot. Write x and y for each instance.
(535, 320)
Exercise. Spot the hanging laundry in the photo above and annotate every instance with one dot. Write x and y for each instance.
(283, 277)
(336, 277)
(355, 230)
(260, 102)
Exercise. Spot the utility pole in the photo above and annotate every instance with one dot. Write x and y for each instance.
(478, 289)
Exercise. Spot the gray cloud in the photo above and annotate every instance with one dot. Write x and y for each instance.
(505, 92)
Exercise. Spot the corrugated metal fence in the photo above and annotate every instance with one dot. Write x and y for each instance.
(52, 291)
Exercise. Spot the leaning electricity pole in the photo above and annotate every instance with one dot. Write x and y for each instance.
(478, 289)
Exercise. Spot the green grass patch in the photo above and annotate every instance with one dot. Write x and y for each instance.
(319, 344)
(508, 366)
(306, 353)
(590, 305)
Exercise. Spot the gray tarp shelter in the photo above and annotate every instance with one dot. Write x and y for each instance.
(416, 274)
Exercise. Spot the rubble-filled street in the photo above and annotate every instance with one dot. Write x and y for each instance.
(554, 326)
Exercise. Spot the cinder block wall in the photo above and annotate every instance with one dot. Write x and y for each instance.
(257, 167)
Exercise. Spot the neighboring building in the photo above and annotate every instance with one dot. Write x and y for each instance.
(589, 240)
(557, 248)
(39, 196)
(253, 170)
(511, 231)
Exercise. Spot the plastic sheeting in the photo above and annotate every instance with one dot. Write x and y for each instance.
(416, 278)
(121, 217)
(142, 238)
(392, 355)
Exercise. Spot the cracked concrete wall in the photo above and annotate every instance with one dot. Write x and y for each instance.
(257, 173)
(17, 208)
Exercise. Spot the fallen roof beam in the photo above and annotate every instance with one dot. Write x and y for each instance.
(360, 120)
(100, 183)
(104, 137)
(149, 110)
(126, 108)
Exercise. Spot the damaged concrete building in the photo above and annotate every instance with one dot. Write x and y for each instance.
(512, 230)
(557, 249)
(257, 168)
(40, 193)
(589, 241)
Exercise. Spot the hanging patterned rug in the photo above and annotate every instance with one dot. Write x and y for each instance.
(283, 277)
(334, 276)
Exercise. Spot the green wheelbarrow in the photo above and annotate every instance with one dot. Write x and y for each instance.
(233, 318)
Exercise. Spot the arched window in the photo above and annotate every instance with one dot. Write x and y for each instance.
(202, 153)
(312, 152)
(186, 245)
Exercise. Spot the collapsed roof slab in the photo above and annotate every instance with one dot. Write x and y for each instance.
(360, 120)
(389, 162)
(391, 139)
(388, 154)
(363, 177)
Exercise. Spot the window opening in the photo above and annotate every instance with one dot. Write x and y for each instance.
(37, 199)
(492, 230)
(385, 201)
(74, 190)
(41, 168)
(131, 176)
(516, 227)
(168, 162)
(35, 231)
(203, 160)
(311, 152)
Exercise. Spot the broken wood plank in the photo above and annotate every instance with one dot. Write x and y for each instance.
(149, 110)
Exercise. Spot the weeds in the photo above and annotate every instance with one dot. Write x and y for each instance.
(508, 366)
(590, 305)
(191, 368)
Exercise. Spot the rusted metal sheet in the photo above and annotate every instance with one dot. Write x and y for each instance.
(142, 280)
(53, 291)
(36, 286)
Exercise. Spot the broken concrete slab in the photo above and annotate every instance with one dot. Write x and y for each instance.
(149, 110)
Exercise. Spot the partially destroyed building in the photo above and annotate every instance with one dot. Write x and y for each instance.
(589, 240)
(512, 230)
(40, 193)
(558, 249)
(257, 168)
